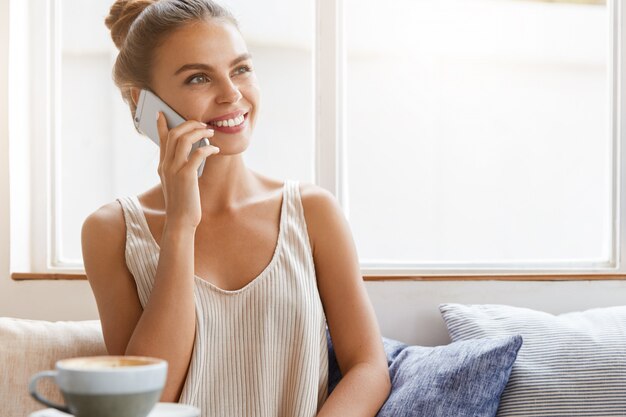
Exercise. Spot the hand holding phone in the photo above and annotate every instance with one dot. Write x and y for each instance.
(177, 167)
(145, 120)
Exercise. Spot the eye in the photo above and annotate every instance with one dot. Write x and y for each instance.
(195, 76)
(246, 68)
(241, 70)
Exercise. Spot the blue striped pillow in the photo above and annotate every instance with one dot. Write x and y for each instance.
(572, 364)
(463, 379)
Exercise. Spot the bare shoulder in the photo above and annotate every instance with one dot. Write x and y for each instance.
(103, 238)
(321, 210)
(315, 197)
(103, 241)
(107, 222)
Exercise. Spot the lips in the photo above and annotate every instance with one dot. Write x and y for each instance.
(231, 115)
(232, 129)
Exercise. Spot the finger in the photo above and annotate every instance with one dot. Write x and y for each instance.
(199, 155)
(163, 133)
(187, 144)
(174, 136)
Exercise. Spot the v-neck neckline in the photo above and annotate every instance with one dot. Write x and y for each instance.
(266, 270)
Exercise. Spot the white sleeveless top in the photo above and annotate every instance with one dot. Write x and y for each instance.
(260, 350)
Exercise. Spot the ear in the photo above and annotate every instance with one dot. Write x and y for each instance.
(134, 93)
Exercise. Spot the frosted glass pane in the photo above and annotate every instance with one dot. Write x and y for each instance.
(478, 132)
(104, 158)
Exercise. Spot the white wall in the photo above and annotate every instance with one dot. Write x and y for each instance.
(406, 310)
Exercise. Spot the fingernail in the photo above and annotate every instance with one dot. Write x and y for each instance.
(157, 115)
(204, 124)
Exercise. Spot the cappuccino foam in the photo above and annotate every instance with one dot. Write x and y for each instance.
(103, 362)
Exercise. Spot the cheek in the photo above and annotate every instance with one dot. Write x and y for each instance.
(253, 95)
(251, 88)
(191, 106)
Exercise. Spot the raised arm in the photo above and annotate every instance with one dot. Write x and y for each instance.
(166, 328)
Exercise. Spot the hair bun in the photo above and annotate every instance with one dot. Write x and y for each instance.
(121, 16)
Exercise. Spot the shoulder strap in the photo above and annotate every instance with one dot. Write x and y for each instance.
(296, 223)
(141, 257)
(131, 217)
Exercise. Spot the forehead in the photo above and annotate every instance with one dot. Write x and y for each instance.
(215, 43)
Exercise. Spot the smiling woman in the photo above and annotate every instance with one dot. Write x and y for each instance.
(232, 276)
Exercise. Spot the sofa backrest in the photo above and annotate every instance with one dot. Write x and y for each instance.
(30, 346)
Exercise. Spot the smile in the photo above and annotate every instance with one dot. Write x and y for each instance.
(229, 122)
(230, 125)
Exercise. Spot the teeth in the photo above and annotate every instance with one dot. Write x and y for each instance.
(230, 122)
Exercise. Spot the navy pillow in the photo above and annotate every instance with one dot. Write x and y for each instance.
(460, 379)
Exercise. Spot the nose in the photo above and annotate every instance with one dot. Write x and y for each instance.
(228, 92)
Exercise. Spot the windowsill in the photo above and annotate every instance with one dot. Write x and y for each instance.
(40, 276)
(34, 276)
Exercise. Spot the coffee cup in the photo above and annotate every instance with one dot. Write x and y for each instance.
(106, 386)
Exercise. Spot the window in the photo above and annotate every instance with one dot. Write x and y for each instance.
(462, 137)
(479, 136)
(94, 154)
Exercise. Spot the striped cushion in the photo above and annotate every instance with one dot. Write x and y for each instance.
(571, 364)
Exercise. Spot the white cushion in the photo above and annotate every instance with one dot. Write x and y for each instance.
(572, 364)
(30, 346)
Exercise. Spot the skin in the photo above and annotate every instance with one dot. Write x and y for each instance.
(202, 225)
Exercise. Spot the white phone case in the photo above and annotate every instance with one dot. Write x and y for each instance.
(145, 120)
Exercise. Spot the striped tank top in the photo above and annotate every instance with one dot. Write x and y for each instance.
(260, 350)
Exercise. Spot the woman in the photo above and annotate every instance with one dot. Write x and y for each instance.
(231, 276)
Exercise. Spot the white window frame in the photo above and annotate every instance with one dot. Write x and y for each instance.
(331, 158)
(35, 243)
(34, 136)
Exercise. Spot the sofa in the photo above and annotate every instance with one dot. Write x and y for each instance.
(30, 346)
(502, 360)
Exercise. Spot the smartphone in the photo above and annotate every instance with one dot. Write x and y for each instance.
(145, 120)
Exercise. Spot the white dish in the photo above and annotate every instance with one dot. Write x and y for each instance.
(159, 410)
(174, 410)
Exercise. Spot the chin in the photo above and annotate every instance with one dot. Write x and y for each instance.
(236, 146)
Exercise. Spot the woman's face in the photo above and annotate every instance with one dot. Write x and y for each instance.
(204, 72)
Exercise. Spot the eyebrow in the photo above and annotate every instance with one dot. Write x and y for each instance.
(206, 67)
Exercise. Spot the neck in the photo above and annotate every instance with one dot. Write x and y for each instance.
(226, 183)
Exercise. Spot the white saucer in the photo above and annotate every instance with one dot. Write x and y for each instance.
(159, 410)
(174, 410)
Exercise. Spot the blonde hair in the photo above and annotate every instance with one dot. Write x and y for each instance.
(139, 26)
